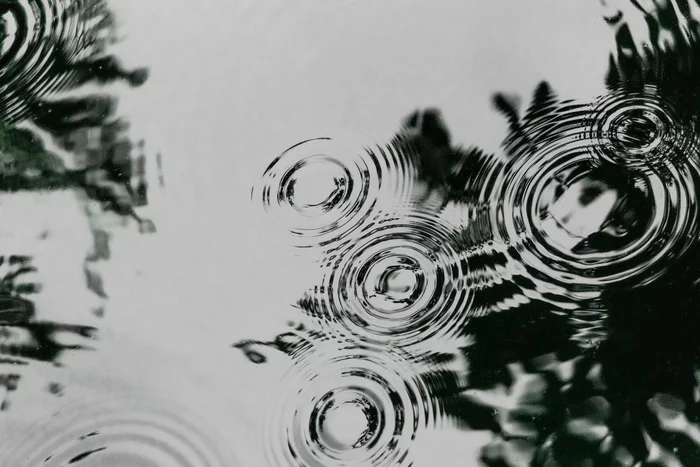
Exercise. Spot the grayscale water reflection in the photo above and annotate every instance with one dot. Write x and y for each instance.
(417, 280)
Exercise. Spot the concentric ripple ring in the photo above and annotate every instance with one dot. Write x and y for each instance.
(348, 404)
(321, 190)
(666, 181)
(640, 129)
(403, 281)
(33, 31)
(121, 430)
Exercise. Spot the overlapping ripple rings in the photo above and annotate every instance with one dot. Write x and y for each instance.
(119, 430)
(402, 281)
(348, 404)
(632, 134)
(31, 31)
(321, 190)
(639, 129)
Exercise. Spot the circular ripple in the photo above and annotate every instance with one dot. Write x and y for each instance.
(639, 129)
(348, 404)
(32, 34)
(666, 210)
(321, 190)
(402, 281)
(118, 431)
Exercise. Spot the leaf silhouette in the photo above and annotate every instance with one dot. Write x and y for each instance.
(18, 259)
(71, 113)
(508, 106)
(11, 276)
(543, 98)
(41, 344)
(667, 60)
(28, 289)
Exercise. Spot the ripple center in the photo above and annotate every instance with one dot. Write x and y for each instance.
(345, 424)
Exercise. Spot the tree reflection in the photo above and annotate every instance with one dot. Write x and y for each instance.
(44, 121)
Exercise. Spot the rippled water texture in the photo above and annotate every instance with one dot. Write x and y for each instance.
(588, 201)
(402, 281)
(44, 48)
(542, 295)
(323, 190)
(122, 429)
(630, 141)
(348, 403)
(560, 145)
